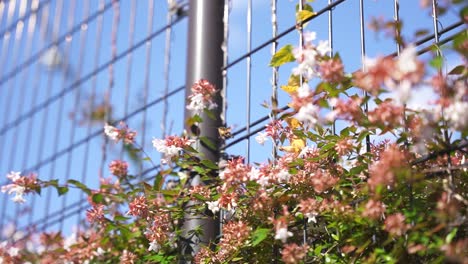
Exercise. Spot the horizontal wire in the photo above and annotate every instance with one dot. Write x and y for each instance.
(59, 40)
(284, 33)
(100, 131)
(420, 52)
(78, 203)
(77, 83)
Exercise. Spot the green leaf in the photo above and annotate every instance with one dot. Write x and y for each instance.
(80, 186)
(209, 164)
(259, 235)
(97, 198)
(121, 218)
(282, 56)
(208, 143)
(460, 69)
(62, 190)
(437, 62)
(451, 235)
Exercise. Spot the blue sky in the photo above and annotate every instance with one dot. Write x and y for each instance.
(23, 148)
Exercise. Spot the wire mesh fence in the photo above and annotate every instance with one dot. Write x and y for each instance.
(69, 67)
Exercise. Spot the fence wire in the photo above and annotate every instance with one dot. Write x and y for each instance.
(68, 67)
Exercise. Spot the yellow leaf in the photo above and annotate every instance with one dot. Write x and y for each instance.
(289, 88)
(293, 122)
(304, 15)
(297, 145)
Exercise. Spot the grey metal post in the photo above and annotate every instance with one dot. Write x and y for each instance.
(204, 61)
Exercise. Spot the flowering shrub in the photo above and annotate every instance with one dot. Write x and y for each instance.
(325, 198)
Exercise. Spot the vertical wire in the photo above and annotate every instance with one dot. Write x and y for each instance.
(167, 64)
(224, 47)
(82, 52)
(11, 90)
(131, 38)
(55, 31)
(301, 81)
(108, 93)
(14, 37)
(65, 66)
(363, 55)
(5, 47)
(30, 29)
(31, 23)
(275, 74)
(248, 77)
(7, 35)
(330, 43)
(44, 28)
(97, 54)
(435, 22)
(28, 51)
(147, 75)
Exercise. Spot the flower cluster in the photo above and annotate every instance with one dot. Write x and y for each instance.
(399, 75)
(20, 185)
(308, 56)
(123, 133)
(118, 168)
(202, 97)
(171, 146)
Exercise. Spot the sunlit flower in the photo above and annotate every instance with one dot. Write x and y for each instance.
(122, 133)
(283, 234)
(395, 224)
(118, 168)
(261, 138)
(213, 206)
(293, 253)
(202, 97)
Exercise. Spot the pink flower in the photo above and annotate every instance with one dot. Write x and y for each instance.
(395, 224)
(118, 168)
(202, 97)
(21, 185)
(95, 214)
(293, 253)
(171, 146)
(122, 133)
(138, 207)
(374, 209)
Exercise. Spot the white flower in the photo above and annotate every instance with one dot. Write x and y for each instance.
(69, 241)
(213, 206)
(311, 216)
(254, 174)
(283, 234)
(19, 197)
(323, 48)
(17, 190)
(457, 115)
(14, 176)
(154, 246)
(99, 251)
(111, 132)
(261, 138)
(308, 115)
(407, 60)
(196, 103)
(283, 175)
(263, 181)
(309, 36)
(303, 91)
(13, 251)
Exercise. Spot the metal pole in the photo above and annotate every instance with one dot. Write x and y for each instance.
(204, 61)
